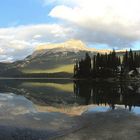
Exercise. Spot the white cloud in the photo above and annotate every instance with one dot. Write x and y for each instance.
(116, 21)
(18, 42)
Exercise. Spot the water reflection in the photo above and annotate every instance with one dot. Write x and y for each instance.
(112, 94)
(27, 108)
(67, 93)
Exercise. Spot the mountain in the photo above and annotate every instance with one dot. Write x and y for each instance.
(74, 46)
(51, 59)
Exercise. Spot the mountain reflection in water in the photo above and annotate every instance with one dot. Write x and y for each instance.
(58, 93)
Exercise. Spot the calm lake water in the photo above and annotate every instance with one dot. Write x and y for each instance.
(34, 109)
(24, 96)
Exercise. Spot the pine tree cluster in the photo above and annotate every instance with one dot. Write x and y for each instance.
(107, 65)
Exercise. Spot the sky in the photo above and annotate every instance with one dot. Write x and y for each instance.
(102, 24)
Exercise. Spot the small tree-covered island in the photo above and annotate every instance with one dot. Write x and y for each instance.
(109, 66)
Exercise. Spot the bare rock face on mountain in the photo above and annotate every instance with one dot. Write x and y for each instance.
(51, 58)
(68, 45)
(58, 57)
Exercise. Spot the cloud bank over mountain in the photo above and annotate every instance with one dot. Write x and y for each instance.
(113, 23)
(18, 42)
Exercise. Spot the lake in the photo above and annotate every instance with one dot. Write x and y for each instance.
(50, 108)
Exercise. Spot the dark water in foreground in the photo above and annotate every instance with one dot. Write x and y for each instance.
(43, 108)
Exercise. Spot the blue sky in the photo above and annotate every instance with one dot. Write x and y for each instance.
(23, 12)
(25, 24)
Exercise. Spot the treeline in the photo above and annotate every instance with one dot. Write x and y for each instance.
(107, 65)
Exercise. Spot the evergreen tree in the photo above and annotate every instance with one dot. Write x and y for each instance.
(87, 65)
(76, 69)
(131, 60)
(107, 65)
(125, 60)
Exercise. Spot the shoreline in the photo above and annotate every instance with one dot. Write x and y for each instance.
(1, 78)
(72, 79)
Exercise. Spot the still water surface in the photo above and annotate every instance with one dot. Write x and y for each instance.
(27, 96)
(34, 109)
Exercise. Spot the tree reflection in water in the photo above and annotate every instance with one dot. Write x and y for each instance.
(112, 94)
